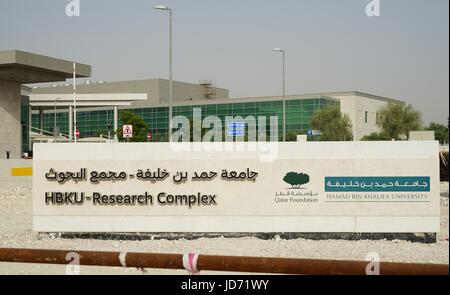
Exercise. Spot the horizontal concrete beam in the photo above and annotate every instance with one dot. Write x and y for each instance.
(98, 99)
(24, 67)
(80, 104)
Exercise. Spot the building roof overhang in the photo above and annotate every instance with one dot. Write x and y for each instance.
(25, 67)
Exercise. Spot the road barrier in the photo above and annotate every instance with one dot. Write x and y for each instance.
(194, 263)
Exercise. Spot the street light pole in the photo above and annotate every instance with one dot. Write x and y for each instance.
(284, 91)
(170, 75)
(165, 8)
(74, 104)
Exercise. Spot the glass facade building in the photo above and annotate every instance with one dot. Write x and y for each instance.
(299, 112)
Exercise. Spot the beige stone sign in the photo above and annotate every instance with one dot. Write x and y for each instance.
(302, 187)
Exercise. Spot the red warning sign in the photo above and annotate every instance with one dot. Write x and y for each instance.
(127, 131)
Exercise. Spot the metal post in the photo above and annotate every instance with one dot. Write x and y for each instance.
(165, 8)
(74, 104)
(108, 124)
(30, 120)
(284, 92)
(41, 120)
(170, 73)
(116, 122)
(284, 99)
(54, 127)
(71, 123)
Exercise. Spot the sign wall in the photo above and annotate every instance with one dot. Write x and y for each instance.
(307, 187)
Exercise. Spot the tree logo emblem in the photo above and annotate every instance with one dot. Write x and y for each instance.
(296, 180)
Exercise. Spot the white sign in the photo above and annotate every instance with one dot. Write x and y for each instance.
(309, 187)
(127, 131)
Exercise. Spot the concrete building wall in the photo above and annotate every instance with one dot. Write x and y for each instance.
(348, 105)
(422, 135)
(188, 92)
(10, 125)
(20, 67)
(156, 89)
(371, 107)
(357, 107)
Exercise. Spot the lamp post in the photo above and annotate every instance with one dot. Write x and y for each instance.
(284, 92)
(74, 104)
(165, 8)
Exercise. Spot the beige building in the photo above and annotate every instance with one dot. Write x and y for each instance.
(23, 109)
(157, 90)
(17, 68)
(361, 108)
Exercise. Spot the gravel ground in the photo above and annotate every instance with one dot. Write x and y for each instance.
(16, 224)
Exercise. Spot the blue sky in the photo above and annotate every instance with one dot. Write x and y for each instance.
(330, 45)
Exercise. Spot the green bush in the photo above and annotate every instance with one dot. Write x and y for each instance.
(440, 132)
(334, 125)
(291, 136)
(139, 127)
(375, 136)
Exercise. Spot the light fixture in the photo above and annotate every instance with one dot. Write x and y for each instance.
(162, 7)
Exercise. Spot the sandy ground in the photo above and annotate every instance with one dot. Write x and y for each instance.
(16, 224)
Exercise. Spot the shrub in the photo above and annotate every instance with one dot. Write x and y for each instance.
(334, 125)
(375, 136)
